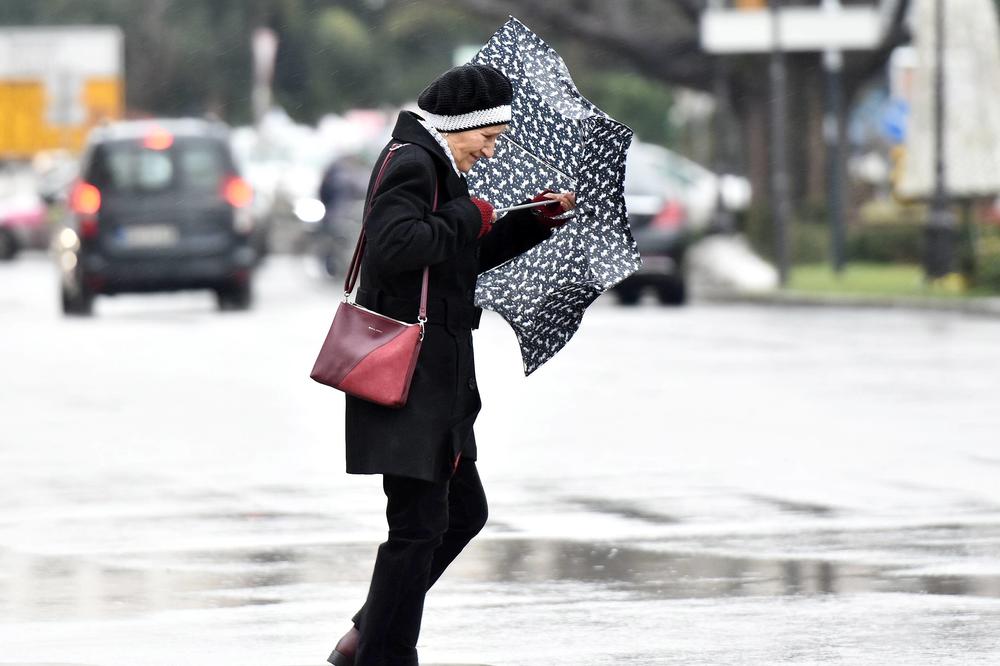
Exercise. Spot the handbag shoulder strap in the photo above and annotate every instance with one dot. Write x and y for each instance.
(355, 267)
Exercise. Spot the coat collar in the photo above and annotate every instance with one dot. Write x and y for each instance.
(409, 129)
(443, 142)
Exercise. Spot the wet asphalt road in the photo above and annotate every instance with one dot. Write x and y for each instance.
(710, 485)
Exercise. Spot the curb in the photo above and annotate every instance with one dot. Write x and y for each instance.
(984, 307)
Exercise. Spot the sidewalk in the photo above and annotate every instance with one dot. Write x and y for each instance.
(726, 269)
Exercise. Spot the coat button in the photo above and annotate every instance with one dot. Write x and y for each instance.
(472, 383)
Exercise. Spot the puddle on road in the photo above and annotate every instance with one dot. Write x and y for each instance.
(43, 587)
(658, 572)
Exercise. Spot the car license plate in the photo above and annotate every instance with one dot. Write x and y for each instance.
(150, 235)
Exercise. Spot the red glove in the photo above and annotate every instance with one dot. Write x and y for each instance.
(485, 213)
(548, 215)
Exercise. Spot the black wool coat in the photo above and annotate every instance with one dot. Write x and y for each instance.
(424, 438)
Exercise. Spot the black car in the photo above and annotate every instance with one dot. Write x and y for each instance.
(659, 223)
(158, 206)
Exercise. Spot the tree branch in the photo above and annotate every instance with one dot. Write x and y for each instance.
(673, 55)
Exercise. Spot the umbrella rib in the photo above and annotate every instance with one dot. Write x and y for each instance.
(537, 158)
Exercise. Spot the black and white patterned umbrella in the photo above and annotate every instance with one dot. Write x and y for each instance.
(557, 139)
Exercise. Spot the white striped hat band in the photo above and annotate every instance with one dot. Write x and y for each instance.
(498, 115)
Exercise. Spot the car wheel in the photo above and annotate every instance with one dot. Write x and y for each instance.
(234, 297)
(672, 293)
(628, 293)
(78, 303)
(9, 246)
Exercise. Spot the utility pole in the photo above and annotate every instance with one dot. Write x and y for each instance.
(780, 205)
(940, 238)
(264, 47)
(723, 220)
(833, 64)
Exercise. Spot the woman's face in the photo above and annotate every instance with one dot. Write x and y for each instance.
(471, 145)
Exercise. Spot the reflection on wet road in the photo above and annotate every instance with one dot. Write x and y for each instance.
(648, 506)
(48, 587)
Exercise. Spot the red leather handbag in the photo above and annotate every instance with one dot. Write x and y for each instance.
(366, 354)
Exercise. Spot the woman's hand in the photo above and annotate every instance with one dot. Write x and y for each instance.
(567, 200)
(558, 212)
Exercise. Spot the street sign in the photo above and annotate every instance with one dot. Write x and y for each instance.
(801, 29)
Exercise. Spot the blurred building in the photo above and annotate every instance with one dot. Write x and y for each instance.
(971, 90)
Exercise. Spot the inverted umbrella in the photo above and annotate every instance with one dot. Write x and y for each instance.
(556, 139)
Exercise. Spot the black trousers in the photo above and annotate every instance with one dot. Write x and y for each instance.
(429, 525)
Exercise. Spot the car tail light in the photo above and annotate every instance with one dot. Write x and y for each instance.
(671, 216)
(85, 199)
(88, 226)
(237, 192)
(158, 139)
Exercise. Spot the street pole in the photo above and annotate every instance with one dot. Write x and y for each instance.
(264, 48)
(779, 163)
(724, 221)
(833, 64)
(940, 235)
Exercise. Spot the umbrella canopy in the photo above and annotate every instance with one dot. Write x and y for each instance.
(556, 139)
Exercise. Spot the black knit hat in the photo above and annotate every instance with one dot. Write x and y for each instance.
(467, 97)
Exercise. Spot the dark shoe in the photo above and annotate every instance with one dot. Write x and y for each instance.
(347, 647)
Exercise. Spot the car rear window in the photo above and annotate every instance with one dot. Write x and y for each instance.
(653, 170)
(644, 175)
(129, 166)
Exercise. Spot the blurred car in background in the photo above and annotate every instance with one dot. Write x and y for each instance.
(23, 213)
(287, 162)
(158, 206)
(658, 217)
(671, 202)
(283, 161)
(55, 171)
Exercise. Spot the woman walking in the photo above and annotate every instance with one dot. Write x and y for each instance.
(421, 215)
